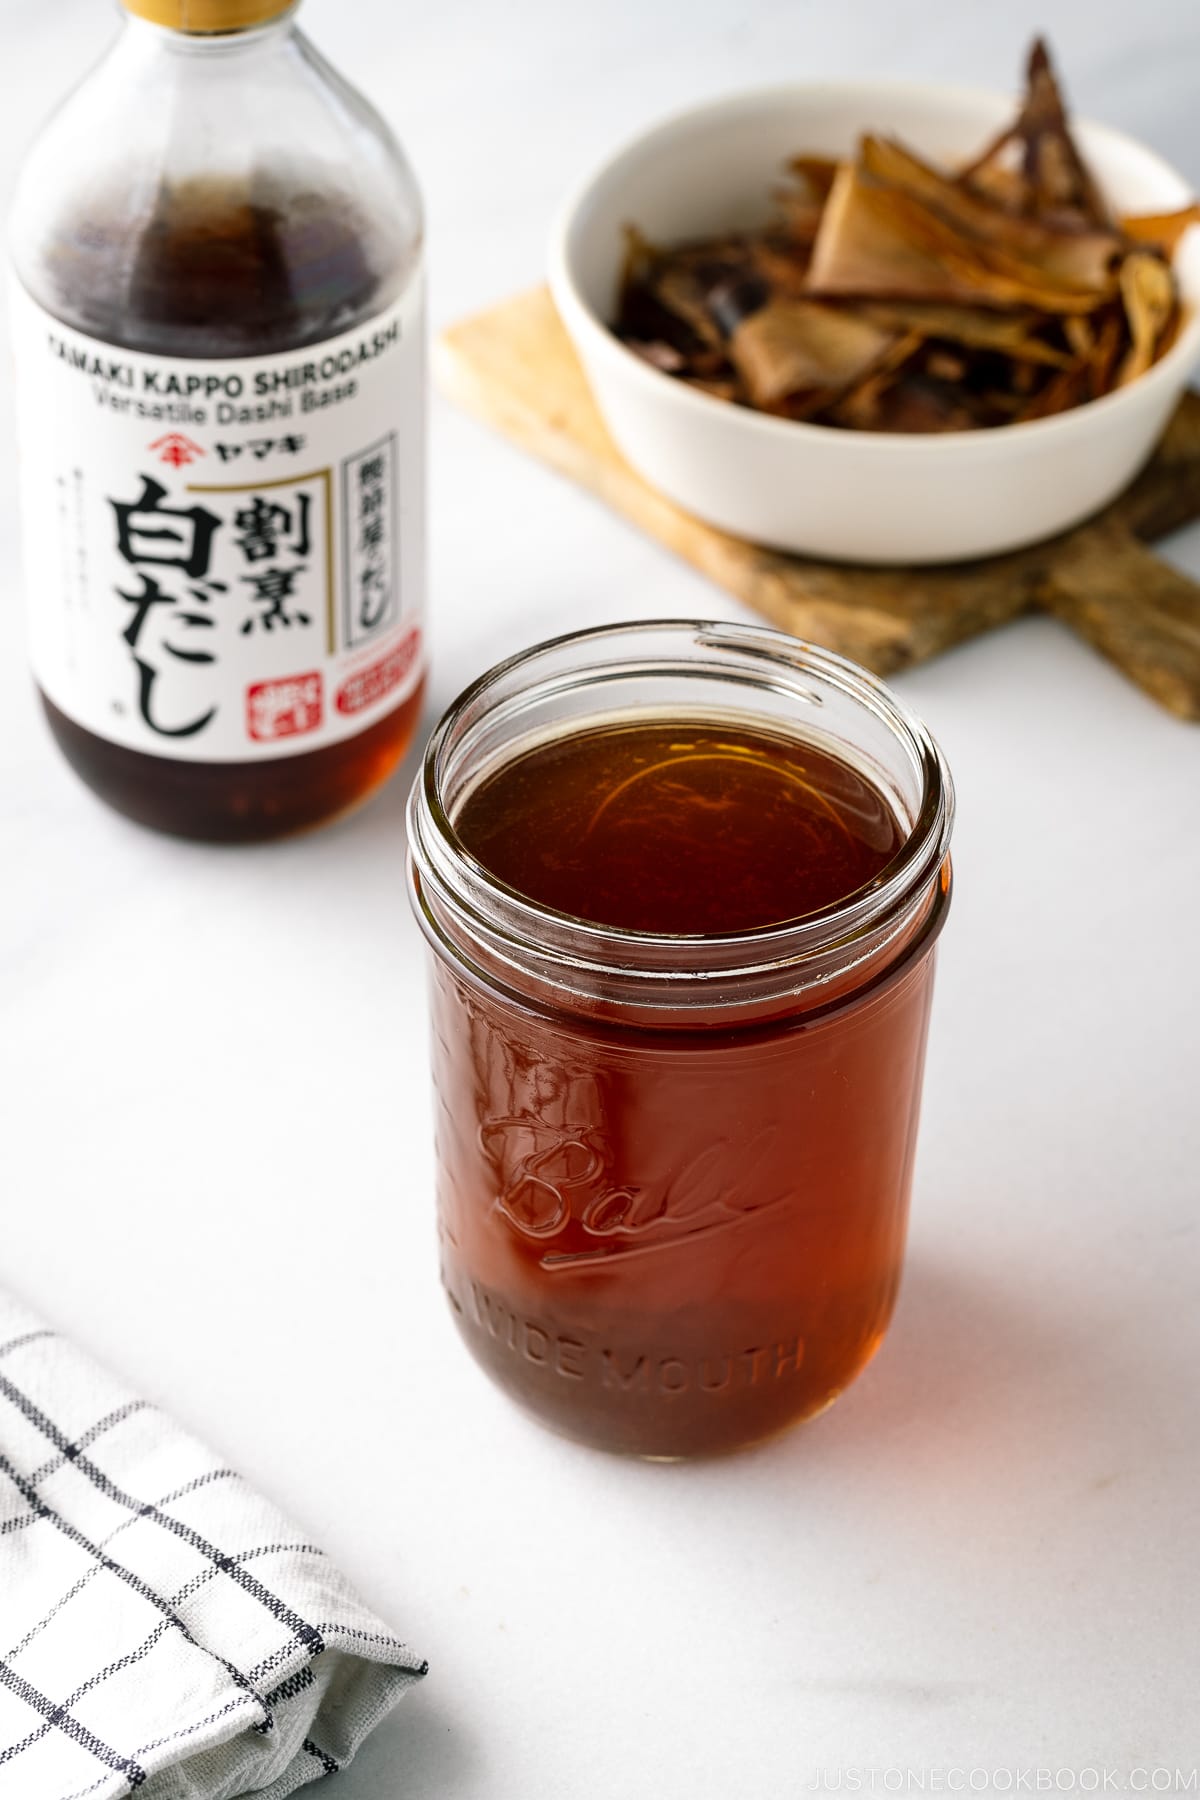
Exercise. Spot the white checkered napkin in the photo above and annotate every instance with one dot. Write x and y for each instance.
(163, 1629)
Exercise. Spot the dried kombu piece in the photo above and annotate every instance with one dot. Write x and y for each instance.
(878, 238)
(802, 201)
(891, 295)
(1046, 177)
(1014, 334)
(1148, 292)
(916, 403)
(1163, 230)
(1022, 245)
(738, 298)
(795, 347)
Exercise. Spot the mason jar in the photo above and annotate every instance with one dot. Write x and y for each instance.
(673, 1171)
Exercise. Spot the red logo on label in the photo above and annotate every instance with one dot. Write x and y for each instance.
(285, 708)
(379, 678)
(177, 450)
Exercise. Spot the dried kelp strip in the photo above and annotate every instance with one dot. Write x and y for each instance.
(879, 239)
(1050, 179)
(1148, 291)
(1021, 245)
(892, 295)
(790, 349)
(1013, 334)
(1163, 230)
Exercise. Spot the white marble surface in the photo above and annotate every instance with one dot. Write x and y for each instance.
(214, 1126)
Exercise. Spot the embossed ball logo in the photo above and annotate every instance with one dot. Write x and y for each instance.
(554, 1189)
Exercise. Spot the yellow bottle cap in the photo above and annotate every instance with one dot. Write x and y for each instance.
(208, 15)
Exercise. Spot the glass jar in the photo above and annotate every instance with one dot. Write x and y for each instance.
(673, 1172)
(218, 318)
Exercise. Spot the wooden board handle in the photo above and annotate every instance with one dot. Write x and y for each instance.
(1136, 609)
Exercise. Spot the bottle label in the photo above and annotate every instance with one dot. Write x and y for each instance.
(224, 559)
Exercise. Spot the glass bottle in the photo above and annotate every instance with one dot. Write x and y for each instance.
(218, 312)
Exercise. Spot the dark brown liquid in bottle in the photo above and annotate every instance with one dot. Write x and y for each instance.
(678, 1238)
(217, 273)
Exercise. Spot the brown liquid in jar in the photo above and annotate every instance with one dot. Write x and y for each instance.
(674, 830)
(220, 272)
(673, 1240)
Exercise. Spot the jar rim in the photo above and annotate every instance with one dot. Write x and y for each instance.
(758, 656)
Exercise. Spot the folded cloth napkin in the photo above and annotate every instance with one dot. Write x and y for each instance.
(164, 1630)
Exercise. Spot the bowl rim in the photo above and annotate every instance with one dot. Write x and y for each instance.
(1174, 367)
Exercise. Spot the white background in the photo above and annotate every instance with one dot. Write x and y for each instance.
(214, 1124)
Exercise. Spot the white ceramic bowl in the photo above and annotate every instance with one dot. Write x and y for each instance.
(860, 496)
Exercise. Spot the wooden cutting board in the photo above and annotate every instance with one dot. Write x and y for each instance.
(514, 367)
